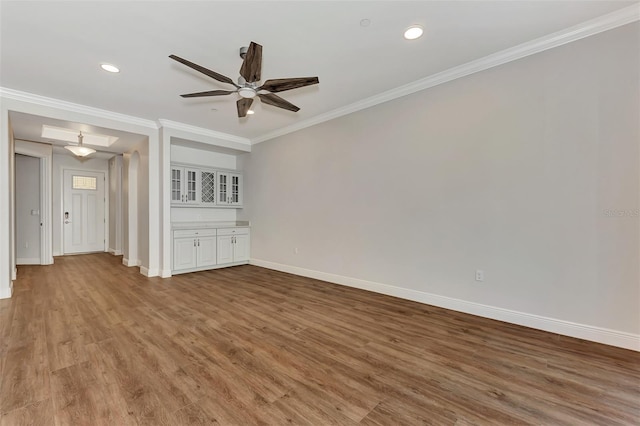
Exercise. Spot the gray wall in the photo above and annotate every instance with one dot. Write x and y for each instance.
(528, 171)
(27, 199)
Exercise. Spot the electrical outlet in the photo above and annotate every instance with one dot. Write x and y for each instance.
(479, 275)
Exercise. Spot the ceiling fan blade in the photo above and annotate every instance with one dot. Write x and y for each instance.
(282, 84)
(203, 70)
(243, 105)
(275, 100)
(252, 63)
(209, 93)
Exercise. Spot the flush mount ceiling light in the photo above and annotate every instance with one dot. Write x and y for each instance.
(251, 112)
(109, 68)
(80, 150)
(413, 32)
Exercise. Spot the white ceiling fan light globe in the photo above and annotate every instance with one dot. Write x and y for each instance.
(247, 92)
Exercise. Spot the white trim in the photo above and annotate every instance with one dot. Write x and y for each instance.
(165, 273)
(581, 331)
(115, 252)
(585, 29)
(6, 292)
(73, 107)
(148, 272)
(127, 262)
(174, 125)
(28, 261)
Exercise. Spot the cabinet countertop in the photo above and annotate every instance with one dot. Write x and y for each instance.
(202, 225)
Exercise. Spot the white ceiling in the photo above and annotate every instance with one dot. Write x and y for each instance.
(54, 48)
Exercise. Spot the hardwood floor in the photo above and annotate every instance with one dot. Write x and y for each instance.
(88, 341)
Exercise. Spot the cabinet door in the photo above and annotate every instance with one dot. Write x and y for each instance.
(177, 181)
(241, 248)
(235, 190)
(207, 187)
(184, 253)
(225, 249)
(223, 188)
(206, 251)
(191, 185)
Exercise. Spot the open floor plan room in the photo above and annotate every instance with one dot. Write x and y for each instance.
(248, 345)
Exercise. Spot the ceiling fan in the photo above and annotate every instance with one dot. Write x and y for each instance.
(247, 86)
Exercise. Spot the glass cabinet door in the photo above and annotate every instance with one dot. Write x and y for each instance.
(176, 185)
(191, 192)
(235, 189)
(223, 190)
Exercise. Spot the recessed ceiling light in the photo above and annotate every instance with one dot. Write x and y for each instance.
(413, 32)
(251, 112)
(109, 68)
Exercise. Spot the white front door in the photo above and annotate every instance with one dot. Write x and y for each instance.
(83, 213)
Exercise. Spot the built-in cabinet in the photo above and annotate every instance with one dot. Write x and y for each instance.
(209, 248)
(194, 248)
(195, 186)
(233, 245)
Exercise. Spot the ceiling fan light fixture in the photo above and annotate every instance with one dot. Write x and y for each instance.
(251, 112)
(413, 32)
(247, 92)
(80, 150)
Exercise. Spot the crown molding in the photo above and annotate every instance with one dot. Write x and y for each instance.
(174, 125)
(585, 29)
(44, 101)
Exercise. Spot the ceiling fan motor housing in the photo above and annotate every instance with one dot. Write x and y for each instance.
(243, 51)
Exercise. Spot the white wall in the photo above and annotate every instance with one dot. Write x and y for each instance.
(27, 203)
(514, 170)
(143, 205)
(7, 223)
(181, 154)
(115, 205)
(61, 162)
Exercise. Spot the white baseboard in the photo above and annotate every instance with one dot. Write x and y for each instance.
(165, 273)
(14, 274)
(115, 252)
(566, 328)
(130, 262)
(28, 261)
(148, 272)
(6, 292)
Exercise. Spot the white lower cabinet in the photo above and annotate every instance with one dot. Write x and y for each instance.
(201, 249)
(194, 249)
(233, 245)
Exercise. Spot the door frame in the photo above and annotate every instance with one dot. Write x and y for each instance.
(105, 175)
(45, 155)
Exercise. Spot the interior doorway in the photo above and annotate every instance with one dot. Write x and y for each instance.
(28, 210)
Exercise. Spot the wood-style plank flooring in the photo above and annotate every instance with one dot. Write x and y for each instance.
(88, 341)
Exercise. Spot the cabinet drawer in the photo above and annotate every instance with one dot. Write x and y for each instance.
(194, 233)
(233, 231)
